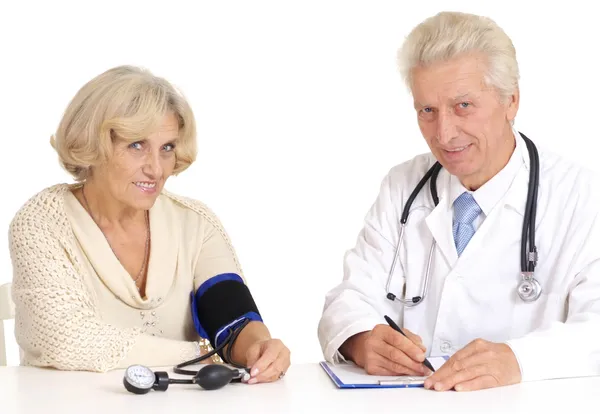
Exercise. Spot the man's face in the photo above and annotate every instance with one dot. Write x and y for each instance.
(465, 122)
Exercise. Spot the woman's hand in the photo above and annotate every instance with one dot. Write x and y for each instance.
(268, 360)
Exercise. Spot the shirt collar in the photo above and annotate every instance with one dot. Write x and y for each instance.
(488, 195)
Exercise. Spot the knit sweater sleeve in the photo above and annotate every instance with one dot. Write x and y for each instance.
(56, 321)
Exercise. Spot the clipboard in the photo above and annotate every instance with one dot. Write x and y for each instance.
(347, 375)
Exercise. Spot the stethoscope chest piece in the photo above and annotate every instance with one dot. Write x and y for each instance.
(529, 289)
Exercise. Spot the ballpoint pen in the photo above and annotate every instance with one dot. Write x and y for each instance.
(397, 328)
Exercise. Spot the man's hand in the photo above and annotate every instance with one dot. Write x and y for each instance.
(383, 351)
(481, 364)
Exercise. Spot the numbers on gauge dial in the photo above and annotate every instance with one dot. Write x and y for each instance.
(140, 376)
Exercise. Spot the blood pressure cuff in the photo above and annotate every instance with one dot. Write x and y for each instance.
(220, 303)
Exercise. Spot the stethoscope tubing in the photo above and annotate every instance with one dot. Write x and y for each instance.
(528, 256)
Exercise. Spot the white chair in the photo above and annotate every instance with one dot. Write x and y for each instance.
(7, 311)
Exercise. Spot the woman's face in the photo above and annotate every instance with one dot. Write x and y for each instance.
(136, 172)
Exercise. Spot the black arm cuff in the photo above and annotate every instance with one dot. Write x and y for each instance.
(220, 304)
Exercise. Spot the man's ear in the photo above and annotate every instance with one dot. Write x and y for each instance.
(512, 106)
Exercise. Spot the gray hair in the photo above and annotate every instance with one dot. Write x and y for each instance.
(448, 35)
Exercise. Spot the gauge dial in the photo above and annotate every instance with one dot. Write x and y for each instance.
(139, 379)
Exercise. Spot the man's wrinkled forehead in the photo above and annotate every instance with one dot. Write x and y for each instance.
(449, 81)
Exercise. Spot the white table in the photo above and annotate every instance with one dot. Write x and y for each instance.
(305, 389)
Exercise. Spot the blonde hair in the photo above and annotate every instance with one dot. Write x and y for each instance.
(448, 35)
(126, 102)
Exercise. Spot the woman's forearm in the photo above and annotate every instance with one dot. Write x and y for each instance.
(253, 332)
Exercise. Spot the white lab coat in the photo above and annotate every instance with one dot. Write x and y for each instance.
(474, 295)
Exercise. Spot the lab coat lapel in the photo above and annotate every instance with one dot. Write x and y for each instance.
(439, 221)
(500, 219)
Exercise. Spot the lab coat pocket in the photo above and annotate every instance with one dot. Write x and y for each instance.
(481, 306)
(529, 317)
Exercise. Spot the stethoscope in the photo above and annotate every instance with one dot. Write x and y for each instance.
(529, 289)
(139, 379)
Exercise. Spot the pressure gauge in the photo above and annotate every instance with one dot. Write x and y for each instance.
(139, 379)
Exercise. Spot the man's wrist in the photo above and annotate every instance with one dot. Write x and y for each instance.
(352, 348)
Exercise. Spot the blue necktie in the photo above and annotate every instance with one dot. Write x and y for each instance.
(466, 211)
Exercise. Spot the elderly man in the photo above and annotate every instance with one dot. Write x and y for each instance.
(494, 259)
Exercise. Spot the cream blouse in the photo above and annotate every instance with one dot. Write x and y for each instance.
(77, 308)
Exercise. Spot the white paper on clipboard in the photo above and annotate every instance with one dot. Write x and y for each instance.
(349, 375)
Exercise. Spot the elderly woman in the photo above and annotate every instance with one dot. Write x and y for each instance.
(114, 270)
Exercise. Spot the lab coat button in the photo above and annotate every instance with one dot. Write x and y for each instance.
(445, 346)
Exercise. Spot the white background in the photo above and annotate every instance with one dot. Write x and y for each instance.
(301, 113)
